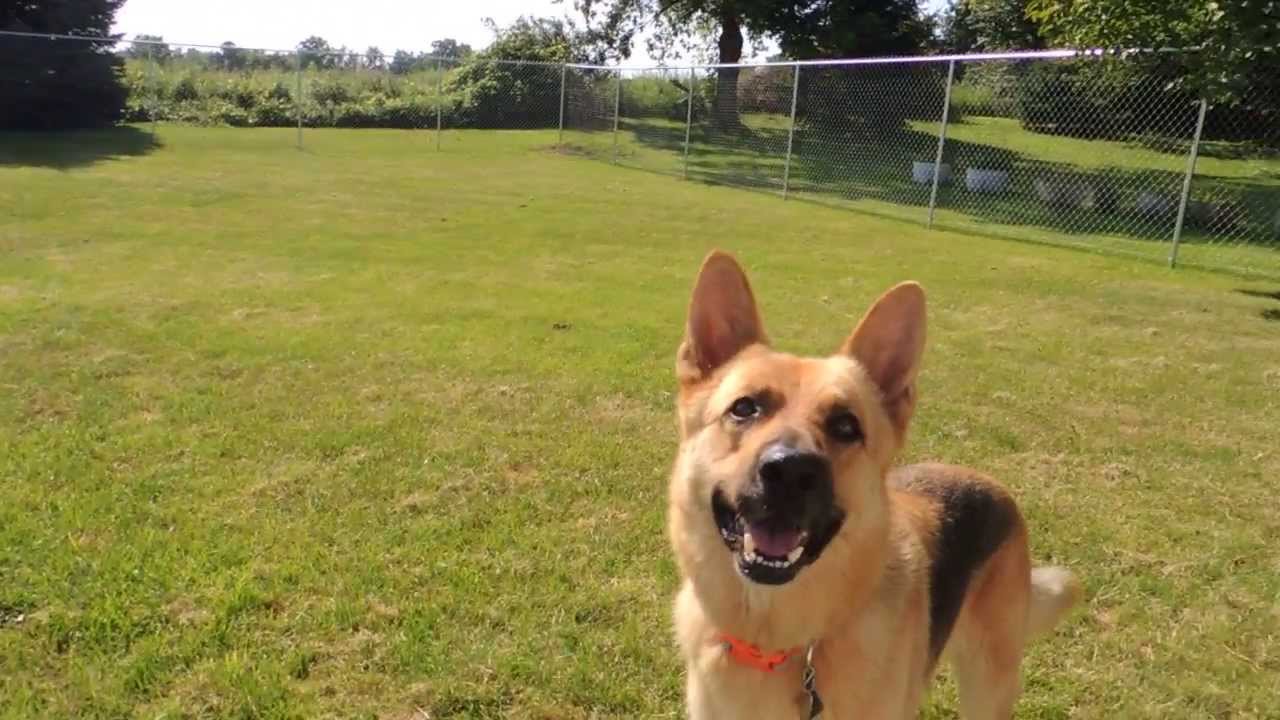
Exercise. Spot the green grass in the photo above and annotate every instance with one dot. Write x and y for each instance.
(1161, 155)
(369, 430)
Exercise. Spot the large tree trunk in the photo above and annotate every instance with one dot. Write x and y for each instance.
(730, 45)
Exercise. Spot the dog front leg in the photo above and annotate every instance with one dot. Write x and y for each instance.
(719, 689)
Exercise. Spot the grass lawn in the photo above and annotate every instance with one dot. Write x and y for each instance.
(369, 430)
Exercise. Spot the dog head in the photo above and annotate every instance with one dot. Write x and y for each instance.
(782, 455)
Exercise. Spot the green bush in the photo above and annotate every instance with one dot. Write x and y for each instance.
(280, 92)
(185, 90)
(487, 94)
(239, 92)
(655, 96)
(273, 112)
(330, 92)
(871, 98)
(1099, 99)
(766, 90)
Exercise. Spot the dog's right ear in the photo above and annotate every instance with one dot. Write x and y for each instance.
(723, 319)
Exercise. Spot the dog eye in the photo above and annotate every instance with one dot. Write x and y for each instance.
(843, 426)
(744, 408)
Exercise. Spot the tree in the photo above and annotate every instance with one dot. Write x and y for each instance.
(804, 29)
(152, 47)
(403, 62)
(540, 39)
(955, 29)
(450, 49)
(493, 94)
(616, 23)
(374, 59)
(230, 57)
(316, 52)
(345, 58)
(1238, 41)
(49, 85)
(845, 28)
(995, 25)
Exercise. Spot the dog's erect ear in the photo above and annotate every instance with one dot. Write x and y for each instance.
(723, 319)
(889, 343)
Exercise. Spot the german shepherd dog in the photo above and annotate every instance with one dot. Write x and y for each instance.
(796, 539)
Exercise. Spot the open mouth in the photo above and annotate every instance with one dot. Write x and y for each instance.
(766, 551)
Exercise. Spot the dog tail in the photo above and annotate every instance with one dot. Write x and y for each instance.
(1054, 591)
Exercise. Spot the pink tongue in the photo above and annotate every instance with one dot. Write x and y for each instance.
(775, 543)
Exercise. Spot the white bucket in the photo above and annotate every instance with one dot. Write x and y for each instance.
(1153, 203)
(922, 173)
(984, 180)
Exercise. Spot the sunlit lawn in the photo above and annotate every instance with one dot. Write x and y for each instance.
(373, 430)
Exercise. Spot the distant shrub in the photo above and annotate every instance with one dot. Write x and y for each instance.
(655, 96)
(185, 90)
(330, 92)
(1099, 99)
(487, 94)
(279, 92)
(273, 112)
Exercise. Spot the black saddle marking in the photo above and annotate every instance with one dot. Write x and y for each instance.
(973, 521)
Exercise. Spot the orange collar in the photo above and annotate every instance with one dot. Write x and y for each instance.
(752, 656)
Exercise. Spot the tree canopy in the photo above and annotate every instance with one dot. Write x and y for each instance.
(803, 29)
(59, 85)
(1236, 42)
(990, 25)
(451, 49)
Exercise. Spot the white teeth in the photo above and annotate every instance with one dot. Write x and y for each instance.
(748, 545)
(749, 555)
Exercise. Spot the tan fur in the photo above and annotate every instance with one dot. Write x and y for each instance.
(863, 604)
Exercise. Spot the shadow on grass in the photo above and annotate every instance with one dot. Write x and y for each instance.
(1260, 293)
(67, 150)
(1272, 314)
(875, 163)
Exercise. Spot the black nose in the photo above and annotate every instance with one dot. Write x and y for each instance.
(787, 468)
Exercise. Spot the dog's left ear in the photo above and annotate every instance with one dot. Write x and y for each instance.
(889, 343)
(723, 319)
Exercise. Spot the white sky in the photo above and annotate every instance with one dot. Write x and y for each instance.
(282, 24)
(389, 24)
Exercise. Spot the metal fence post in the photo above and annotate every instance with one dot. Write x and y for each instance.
(617, 107)
(564, 73)
(942, 140)
(688, 119)
(149, 100)
(297, 99)
(791, 134)
(1186, 184)
(439, 100)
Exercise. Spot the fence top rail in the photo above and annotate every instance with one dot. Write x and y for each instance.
(108, 40)
(123, 41)
(900, 60)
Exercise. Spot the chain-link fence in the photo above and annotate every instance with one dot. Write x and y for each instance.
(1096, 150)
(1085, 149)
